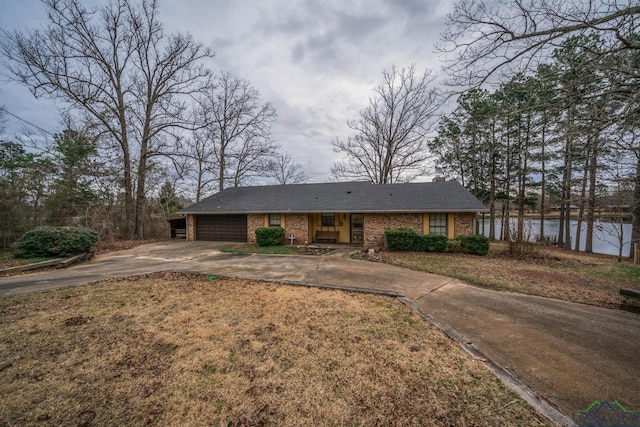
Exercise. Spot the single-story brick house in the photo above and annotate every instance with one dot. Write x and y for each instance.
(347, 212)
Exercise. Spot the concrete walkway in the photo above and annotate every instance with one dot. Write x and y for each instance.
(568, 354)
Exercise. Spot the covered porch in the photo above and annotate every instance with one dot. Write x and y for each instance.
(333, 227)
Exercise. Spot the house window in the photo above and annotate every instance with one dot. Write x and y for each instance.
(438, 224)
(328, 220)
(274, 220)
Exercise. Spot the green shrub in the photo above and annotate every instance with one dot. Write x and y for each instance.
(49, 242)
(435, 243)
(475, 244)
(455, 246)
(269, 236)
(404, 239)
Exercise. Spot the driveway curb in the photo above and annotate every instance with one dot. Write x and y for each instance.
(52, 263)
(542, 406)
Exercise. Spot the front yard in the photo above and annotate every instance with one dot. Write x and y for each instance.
(549, 272)
(173, 349)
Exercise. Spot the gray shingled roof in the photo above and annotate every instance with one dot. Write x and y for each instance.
(441, 196)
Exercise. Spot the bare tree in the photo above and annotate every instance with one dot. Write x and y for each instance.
(238, 127)
(200, 164)
(118, 67)
(285, 171)
(390, 135)
(483, 38)
(250, 159)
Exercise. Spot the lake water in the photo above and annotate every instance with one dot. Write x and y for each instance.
(605, 234)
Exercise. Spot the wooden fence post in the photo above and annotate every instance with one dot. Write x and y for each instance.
(636, 254)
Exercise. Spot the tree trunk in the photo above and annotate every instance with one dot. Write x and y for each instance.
(583, 196)
(567, 180)
(199, 181)
(492, 205)
(542, 181)
(223, 163)
(140, 197)
(563, 198)
(142, 174)
(522, 180)
(591, 198)
(129, 203)
(635, 210)
(506, 223)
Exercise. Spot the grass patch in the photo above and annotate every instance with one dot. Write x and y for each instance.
(617, 272)
(555, 273)
(7, 260)
(183, 350)
(264, 250)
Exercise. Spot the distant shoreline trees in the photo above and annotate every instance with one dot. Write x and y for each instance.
(576, 105)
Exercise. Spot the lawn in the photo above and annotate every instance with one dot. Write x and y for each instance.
(173, 349)
(549, 272)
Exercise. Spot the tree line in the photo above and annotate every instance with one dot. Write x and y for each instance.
(552, 138)
(146, 104)
(563, 121)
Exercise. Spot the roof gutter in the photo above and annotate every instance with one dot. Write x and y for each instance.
(334, 211)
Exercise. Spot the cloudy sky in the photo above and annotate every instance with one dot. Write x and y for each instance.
(315, 61)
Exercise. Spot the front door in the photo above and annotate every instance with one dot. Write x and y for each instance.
(357, 228)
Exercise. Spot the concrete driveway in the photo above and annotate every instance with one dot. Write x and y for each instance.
(568, 354)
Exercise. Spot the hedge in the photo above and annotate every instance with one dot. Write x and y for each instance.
(404, 239)
(475, 244)
(408, 240)
(269, 236)
(52, 242)
(436, 243)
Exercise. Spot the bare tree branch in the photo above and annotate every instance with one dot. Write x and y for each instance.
(285, 171)
(238, 128)
(482, 41)
(390, 135)
(118, 67)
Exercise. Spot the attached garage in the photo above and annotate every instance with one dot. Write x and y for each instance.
(222, 228)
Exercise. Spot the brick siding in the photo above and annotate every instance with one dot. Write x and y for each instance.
(374, 226)
(191, 227)
(463, 223)
(376, 223)
(298, 225)
(254, 221)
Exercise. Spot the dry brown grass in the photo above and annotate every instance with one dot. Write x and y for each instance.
(183, 350)
(550, 272)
